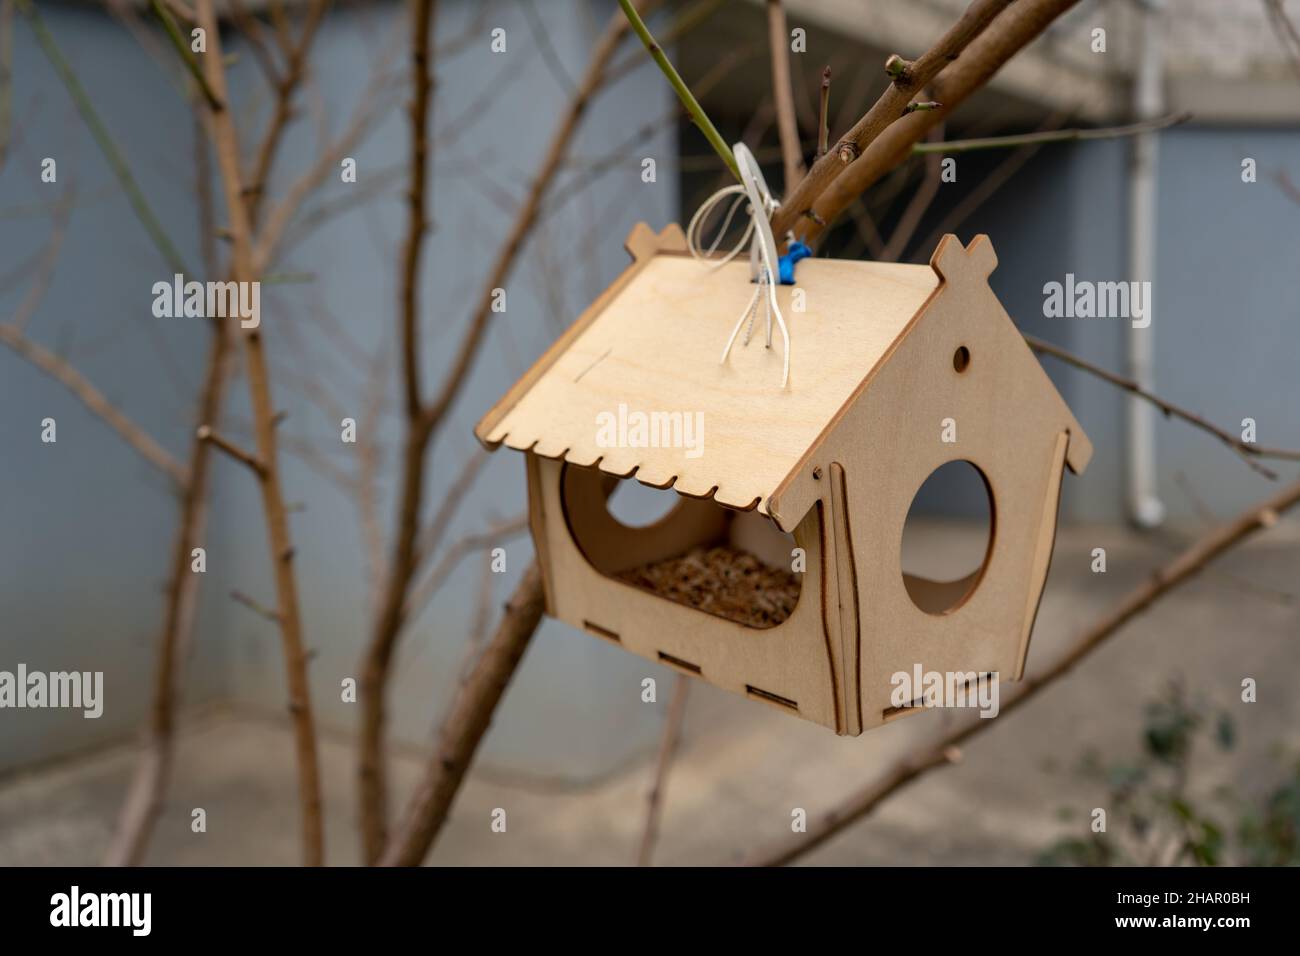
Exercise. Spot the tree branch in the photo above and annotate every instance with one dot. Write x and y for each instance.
(465, 724)
(783, 94)
(286, 88)
(183, 51)
(907, 79)
(99, 132)
(823, 114)
(1051, 136)
(1013, 30)
(94, 400)
(946, 750)
(401, 567)
(241, 455)
(244, 269)
(455, 553)
(239, 597)
(1246, 450)
(421, 433)
(672, 735)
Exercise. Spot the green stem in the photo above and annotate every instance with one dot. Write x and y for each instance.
(683, 91)
(178, 41)
(105, 142)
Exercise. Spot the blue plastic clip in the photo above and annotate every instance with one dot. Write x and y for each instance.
(785, 264)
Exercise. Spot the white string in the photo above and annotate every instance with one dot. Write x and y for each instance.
(761, 206)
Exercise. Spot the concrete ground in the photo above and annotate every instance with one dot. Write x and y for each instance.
(743, 767)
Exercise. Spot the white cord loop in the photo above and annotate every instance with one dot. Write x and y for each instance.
(765, 272)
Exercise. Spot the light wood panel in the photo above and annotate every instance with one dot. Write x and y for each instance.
(836, 459)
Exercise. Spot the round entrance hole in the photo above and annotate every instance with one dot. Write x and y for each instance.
(961, 359)
(947, 537)
(635, 505)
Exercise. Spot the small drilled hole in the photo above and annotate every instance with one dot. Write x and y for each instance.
(961, 359)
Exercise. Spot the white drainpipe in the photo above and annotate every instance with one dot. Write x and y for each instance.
(1145, 507)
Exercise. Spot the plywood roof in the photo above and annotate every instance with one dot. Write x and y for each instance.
(652, 345)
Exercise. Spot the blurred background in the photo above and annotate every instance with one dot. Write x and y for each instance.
(1153, 724)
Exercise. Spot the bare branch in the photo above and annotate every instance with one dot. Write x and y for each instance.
(94, 400)
(1246, 450)
(823, 114)
(1052, 136)
(6, 77)
(946, 750)
(285, 90)
(422, 429)
(917, 206)
(244, 268)
(988, 186)
(1012, 31)
(244, 457)
(255, 606)
(466, 722)
(122, 172)
(183, 51)
(1287, 34)
(458, 551)
(672, 735)
(783, 94)
(906, 79)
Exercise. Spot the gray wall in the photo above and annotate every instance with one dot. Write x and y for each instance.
(87, 527)
(1225, 321)
(494, 116)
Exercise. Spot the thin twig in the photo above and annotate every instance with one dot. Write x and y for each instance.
(1053, 136)
(672, 735)
(117, 163)
(1246, 450)
(145, 794)
(431, 537)
(256, 606)
(244, 269)
(1287, 34)
(45, 265)
(285, 90)
(421, 433)
(917, 206)
(989, 185)
(466, 722)
(6, 77)
(787, 126)
(946, 750)
(906, 80)
(1014, 29)
(94, 400)
(823, 114)
(241, 455)
(402, 565)
(183, 50)
(1291, 189)
(456, 552)
(366, 114)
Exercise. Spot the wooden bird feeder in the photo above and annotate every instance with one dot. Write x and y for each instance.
(881, 355)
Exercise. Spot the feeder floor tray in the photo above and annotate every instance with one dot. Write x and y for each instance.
(724, 581)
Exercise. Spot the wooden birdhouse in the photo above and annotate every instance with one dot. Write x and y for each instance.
(895, 370)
